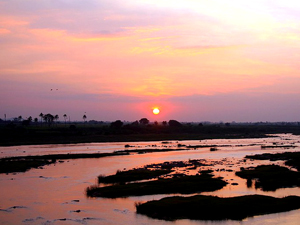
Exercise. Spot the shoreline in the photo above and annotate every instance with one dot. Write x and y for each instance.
(124, 138)
(34, 135)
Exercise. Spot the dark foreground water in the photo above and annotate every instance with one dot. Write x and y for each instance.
(56, 194)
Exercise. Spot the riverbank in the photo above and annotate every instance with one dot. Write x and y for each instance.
(87, 133)
(25, 163)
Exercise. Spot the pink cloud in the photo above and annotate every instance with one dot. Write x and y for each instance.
(107, 55)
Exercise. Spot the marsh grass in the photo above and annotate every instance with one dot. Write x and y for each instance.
(181, 184)
(142, 151)
(24, 163)
(278, 146)
(132, 175)
(290, 158)
(201, 207)
(270, 177)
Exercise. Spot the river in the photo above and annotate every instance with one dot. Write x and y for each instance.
(56, 193)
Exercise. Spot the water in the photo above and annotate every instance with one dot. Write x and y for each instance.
(56, 194)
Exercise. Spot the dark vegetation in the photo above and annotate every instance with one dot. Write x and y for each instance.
(153, 171)
(10, 166)
(181, 184)
(48, 131)
(214, 208)
(192, 163)
(291, 158)
(142, 151)
(278, 146)
(132, 175)
(24, 163)
(270, 177)
(175, 183)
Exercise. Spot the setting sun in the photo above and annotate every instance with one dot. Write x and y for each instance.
(156, 111)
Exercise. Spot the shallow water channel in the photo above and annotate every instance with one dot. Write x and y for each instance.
(56, 193)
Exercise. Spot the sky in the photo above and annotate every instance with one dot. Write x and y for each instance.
(196, 60)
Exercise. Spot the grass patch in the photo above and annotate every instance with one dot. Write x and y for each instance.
(290, 158)
(214, 208)
(132, 175)
(182, 184)
(24, 163)
(278, 146)
(142, 151)
(271, 177)
(14, 166)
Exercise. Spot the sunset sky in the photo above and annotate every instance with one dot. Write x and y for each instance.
(196, 60)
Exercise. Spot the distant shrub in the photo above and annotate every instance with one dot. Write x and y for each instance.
(72, 127)
(174, 123)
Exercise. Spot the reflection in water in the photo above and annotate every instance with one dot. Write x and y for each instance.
(55, 194)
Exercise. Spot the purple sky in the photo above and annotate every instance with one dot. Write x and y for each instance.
(195, 60)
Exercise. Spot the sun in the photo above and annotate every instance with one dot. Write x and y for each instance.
(155, 111)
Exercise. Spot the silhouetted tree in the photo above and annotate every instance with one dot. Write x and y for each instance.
(20, 118)
(135, 123)
(155, 123)
(165, 123)
(65, 118)
(42, 117)
(56, 117)
(144, 121)
(36, 120)
(26, 122)
(174, 123)
(84, 117)
(48, 119)
(117, 124)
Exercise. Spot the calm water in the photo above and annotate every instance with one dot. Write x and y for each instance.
(56, 194)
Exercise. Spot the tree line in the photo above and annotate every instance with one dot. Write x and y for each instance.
(50, 119)
(44, 118)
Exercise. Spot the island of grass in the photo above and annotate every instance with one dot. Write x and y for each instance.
(270, 177)
(278, 146)
(178, 184)
(132, 175)
(25, 163)
(175, 183)
(291, 158)
(14, 166)
(201, 207)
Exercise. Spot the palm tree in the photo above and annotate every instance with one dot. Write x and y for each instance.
(36, 120)
(42, 117)
(84, 117)
(65, 117)
(56, 117)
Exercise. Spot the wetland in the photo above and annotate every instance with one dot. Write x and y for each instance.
(109, 183)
